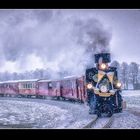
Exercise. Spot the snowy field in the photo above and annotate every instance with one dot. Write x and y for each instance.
(39, 113)
(127, 120)
(132, 97)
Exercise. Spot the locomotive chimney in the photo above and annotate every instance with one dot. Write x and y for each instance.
(102, 58)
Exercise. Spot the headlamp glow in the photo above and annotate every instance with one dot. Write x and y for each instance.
(118, 84)
(89, 86)
(103, 66)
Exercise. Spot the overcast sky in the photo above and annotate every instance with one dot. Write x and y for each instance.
(125, 24)
(24, 34)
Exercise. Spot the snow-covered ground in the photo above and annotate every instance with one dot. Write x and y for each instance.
(37, 113)
(132, 98)
(127, 120)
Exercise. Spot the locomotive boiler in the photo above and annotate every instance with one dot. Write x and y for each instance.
(103, 87)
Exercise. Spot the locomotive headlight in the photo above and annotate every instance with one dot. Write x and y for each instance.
(118, 84)
(89, 86)
(103, 66)
(103, 88)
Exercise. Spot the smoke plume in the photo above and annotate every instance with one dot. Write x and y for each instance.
(51, 39)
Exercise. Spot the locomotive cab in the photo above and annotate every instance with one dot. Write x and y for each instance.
(103, 87)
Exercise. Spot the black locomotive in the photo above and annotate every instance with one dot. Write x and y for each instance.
(103, 87)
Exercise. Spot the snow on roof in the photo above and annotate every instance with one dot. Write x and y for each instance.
(40, 80)
(29, 80)
(44, 80)
(11, 81)
(16, 81)
(73, 76)
(49, 80)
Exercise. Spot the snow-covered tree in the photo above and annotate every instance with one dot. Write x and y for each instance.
(117, 65)
(15, 76)
(133, 73)
(124, 74)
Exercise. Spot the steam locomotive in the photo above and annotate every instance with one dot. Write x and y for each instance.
(103, 87)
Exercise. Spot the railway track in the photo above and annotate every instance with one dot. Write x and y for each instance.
(109, 123)
(89, 125)
(97, 122)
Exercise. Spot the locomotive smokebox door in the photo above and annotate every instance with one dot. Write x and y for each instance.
(104, 57)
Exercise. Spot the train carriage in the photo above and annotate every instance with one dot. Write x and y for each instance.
(72, 88)
(48, 88)
(2, 89)
(9, 88)
(81, 92)
(28, 88)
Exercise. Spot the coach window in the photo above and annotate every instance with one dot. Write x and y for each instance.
(29, 86)
(33, 85)
(24, 85)
(57, 85)
(7, 86)
(49, 85)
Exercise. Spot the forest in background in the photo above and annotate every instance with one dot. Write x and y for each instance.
(129, 74)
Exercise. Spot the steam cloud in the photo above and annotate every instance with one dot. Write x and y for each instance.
(55, 39)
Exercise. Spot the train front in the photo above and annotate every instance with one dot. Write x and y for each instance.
(103, 87)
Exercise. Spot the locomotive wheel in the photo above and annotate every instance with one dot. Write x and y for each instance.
(58, 98)
(119, 110)
(98, 113)
(109, 113)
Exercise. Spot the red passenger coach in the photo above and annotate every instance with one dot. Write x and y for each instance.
(9, 88)
(28, 87)
(2, 89)
(72, 87)
(81, 91)
(48, 88)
